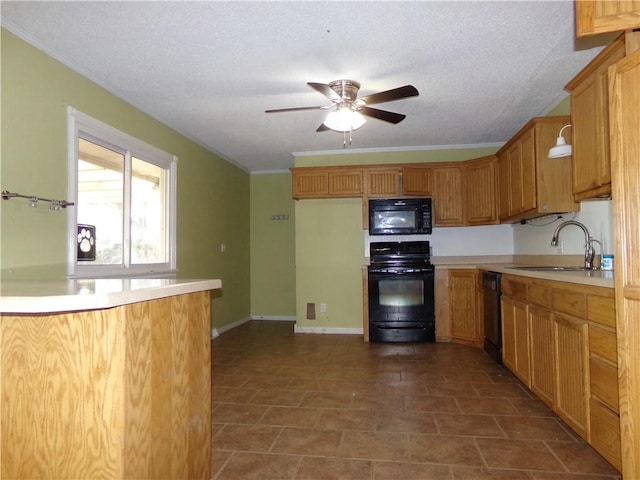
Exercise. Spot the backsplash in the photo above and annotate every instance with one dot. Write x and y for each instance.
(534, 237)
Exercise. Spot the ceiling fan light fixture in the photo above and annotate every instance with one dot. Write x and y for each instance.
(561, 148)
(344, 120)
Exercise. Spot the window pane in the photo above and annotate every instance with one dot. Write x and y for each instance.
(100, 198)
(148, 213)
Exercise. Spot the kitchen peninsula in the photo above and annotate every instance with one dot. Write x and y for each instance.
(107, 378)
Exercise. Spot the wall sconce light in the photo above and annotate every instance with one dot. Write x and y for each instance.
(562, 148)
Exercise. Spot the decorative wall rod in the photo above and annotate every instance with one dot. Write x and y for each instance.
(33, 200)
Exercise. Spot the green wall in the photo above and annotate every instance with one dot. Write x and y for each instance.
(213, 195)
(329, 259)
(273, 290)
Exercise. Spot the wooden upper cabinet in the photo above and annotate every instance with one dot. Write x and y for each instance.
(382, 183)
(480, 191)
(601, 16)
(590, 119)
(535, 185)
(504, 191)
(310, 183)
(417, 180)
(346, 183)
(447, 196)
(325, 182)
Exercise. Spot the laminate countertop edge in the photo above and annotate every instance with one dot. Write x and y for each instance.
(597, 278)
(38, 297)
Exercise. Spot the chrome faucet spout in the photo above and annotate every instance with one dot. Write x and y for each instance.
(589, 252)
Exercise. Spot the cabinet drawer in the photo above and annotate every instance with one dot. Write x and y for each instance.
(603, 343)
(540, 295)
(602, 310)
(572, 303)
(605, 433)
(604, 382)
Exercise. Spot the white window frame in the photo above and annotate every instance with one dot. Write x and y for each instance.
(80, 125)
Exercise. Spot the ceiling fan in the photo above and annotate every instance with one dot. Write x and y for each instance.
(347, 111)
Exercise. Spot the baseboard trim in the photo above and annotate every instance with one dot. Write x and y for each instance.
(273, 318)
(216, 332)
(329, 330)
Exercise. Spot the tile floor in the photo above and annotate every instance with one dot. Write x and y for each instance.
(322, 407)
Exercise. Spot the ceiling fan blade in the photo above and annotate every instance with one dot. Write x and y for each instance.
(295, 109)
(326, 90)
(390, 95)
(322, 128)
(384, 115)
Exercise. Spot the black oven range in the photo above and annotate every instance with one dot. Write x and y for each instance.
(401, 292)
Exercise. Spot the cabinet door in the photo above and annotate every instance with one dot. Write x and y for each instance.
(528, 182)
(522, 342)
(542, 333)
(515, 338)
(590, 107)
(447, 196)
(504, 186)
(508, 333)
(313, 184)
(600, 16)
(463, 302)
(572, 372)
(345, 183)
(516, 202)
(383, 183)
(480, 192)
(417, 181)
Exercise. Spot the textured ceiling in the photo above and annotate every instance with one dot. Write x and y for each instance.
(210, 69)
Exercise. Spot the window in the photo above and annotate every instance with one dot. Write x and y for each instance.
(123, 223)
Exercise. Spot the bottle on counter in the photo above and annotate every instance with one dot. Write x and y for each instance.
(607, 261)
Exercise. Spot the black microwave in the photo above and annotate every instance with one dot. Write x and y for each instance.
(400, 216)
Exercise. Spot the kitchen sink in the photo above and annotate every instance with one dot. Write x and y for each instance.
(552, 268)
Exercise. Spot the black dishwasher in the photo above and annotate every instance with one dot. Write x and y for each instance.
(492, 315)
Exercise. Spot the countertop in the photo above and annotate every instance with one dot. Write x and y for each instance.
(598, 278)
(24, 296)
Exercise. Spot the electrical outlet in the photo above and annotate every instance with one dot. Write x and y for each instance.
(560, 247)
(323, 308)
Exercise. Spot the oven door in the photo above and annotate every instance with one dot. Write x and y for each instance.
(401, 304)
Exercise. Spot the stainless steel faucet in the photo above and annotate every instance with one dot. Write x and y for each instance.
(589, 252)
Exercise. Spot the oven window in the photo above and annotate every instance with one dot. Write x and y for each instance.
(395, 219)
(401, 293)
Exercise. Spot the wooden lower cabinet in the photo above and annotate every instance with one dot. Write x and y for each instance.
(571, 372)
(122, 392)
(605, 432)
(543, 367)
(571, 342)
(463, 305)
(515, 338)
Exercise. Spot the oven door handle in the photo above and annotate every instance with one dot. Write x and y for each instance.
(400, 272)
(401, 327)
